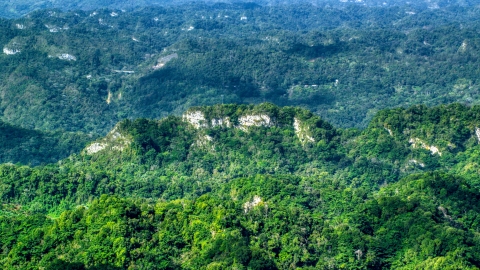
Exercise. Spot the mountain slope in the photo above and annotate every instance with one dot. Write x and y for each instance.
(259, 187)
(86, 71)
(19, 8)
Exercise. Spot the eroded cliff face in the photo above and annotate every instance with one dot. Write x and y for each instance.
(195, 118)
(260, 120)
(418, 143)
(198, 120)
(256, 201)
(114, 140)
(302, 132)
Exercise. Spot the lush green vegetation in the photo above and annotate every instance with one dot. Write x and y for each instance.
(343, 63)
(291, 192)
(175, 184)
(18, 8)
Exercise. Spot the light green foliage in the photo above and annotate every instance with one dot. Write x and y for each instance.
(252, 199)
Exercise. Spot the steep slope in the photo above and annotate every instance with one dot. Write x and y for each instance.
(421, 138)
(174, 158)
(184, 157)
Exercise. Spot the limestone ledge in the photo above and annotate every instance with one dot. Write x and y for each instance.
(114, 139)
(417, 143)
(8, 51)
(198, 120)
(246, 121)
(301, 132)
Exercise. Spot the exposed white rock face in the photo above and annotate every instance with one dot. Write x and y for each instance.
(250, 205)
(389, 131)
(120, 141)
(114, 138)
(216, 122)
(109, 97)
(52, 28)
(301, 132)
(164, 60)
(196, 118)
(95, 147)
(416, 143)
(20, 26)
(66, 56)
(10, 51)
(124, 71)
(435, 150)
(247, 121)
(414, 161)
(463, 47)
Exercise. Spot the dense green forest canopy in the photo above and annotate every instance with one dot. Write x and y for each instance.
(87, 70)
(254, 187)
(239, 135)
(18, 8)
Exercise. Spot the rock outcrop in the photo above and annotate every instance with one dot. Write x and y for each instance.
(196, 119)
(246, 121)
(114, 141)
(417, 143)
(301, 132)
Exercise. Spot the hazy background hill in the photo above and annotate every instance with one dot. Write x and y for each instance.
(85, 71)
(17, 8)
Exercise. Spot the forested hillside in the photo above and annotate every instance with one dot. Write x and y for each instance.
(86, 71)
(271, 134)
(254, 187)
(18, 8)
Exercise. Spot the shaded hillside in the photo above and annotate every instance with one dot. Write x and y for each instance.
(32, 147)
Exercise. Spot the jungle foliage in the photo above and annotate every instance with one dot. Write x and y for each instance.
(86, 71)
(165, 194)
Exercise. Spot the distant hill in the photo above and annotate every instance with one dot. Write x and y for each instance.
(18, 8)
(85, 71)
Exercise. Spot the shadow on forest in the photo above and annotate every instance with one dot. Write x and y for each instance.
(312, 52)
